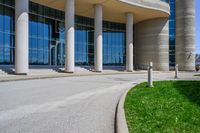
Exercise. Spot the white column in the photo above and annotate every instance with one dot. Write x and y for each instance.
(129, 42)
(69, 25)
(98, 41)
(21, 36)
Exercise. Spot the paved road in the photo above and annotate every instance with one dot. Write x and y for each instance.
(65, 105)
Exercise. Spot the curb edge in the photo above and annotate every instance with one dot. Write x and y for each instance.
(121, 124)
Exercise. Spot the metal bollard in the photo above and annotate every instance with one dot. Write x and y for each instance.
(176, 71)
(150, 75)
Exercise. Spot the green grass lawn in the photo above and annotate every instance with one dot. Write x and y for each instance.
(171, 107)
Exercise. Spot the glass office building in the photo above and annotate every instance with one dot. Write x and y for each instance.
(172, 30)
(102, 36)
(47, 37)
(7, 32)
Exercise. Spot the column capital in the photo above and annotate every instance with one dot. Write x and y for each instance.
(130, 13)
(98, 5)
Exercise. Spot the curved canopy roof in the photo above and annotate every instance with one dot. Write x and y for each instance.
(115, 10)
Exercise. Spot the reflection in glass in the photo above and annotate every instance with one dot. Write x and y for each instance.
(6, 33)
(114, 44)
(47, 37)
(172, 34)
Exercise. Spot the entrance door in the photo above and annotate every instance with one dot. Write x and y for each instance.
(60, 53)
(53, 55)
(57, 53)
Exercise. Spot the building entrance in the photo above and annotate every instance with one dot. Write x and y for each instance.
(57, 54)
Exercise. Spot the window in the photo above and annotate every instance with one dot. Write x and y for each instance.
(114, 44)
(46, 29)
(172, 34)
(6, 32)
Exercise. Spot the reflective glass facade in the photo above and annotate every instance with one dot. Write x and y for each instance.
(84, 41)
(172, 31)
(114, 43)
(47, 37)
(6, 32)
(167, 1)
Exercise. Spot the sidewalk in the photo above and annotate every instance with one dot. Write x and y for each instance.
(51, 73)
(43, 74)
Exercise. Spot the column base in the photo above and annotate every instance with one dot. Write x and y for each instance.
(98, 71)
(68, 72)
(21, 74)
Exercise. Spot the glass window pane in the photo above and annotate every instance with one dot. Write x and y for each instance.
(1, 18)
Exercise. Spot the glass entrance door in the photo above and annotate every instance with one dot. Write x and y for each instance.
(60, 53)
(53, 55)
(57, 54)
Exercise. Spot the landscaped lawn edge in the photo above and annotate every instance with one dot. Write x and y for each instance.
(121, 124)
(170, 106)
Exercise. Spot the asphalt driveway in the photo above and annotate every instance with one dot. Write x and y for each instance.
(65, 105)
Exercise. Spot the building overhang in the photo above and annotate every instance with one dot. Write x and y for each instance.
(115, 10)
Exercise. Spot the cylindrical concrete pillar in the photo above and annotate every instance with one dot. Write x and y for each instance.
(21, 36)
(98, 41)
(185, 34)
(129, 42)
(69, 25)
(152, 44)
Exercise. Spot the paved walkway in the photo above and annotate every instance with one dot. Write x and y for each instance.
(49, 73)
(85, 104)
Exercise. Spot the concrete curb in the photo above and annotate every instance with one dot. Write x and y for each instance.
(10, 78)
(121, 124)
(35, 77)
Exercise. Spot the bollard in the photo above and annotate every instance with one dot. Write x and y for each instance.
(176, 71)
(150, 75)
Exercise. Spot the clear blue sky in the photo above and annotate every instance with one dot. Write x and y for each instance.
(197, 26)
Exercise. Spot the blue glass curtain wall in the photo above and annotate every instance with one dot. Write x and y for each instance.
(114, 44)
(47, 37)
(6, 32)
(167, 1)
(84, 41)
(9, 3)
(172, 31)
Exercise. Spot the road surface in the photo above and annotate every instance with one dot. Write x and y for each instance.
(65, 105)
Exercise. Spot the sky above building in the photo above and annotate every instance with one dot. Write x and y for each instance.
(198, 26)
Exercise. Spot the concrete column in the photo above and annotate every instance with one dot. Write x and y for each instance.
(152, 44)
(21, 36)
(129, 42)
(69, 25)
(185, 34)
(98, 41)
